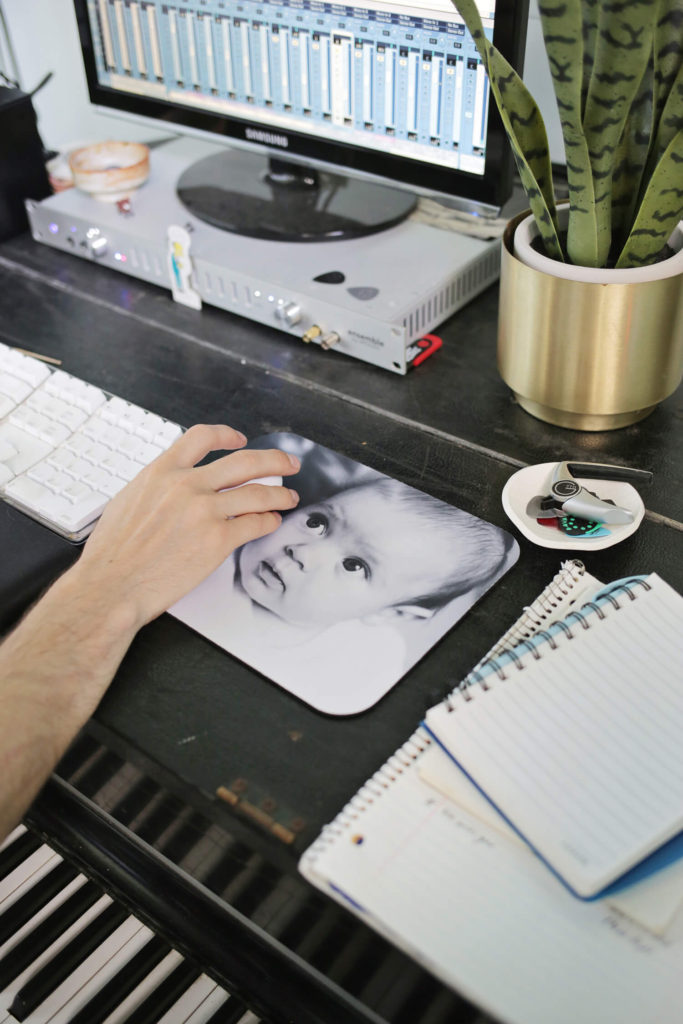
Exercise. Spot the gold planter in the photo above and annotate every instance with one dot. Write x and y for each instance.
(583, 355)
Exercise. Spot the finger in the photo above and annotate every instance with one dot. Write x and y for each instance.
(248, 464)
(201, 439)
(257, 498)
(244, 528)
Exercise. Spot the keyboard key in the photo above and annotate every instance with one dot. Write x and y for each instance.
(43, 473)
(20, 877)
(26, 490)
(30, 449)
(110, 996)
(66, 446)
(50, 977)
(169, 433)
(7, 450)
(6, 405)
(28, 903)
(7, 996)
(112, 486)
(40, 933)
(14, 390)
(15, 853)
(148, 453)
(33, 371)
(166, 994)
(83, 512)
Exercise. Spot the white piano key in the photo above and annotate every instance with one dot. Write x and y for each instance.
(146, 987)
(14, 834)
(83, 983)
(189, 1001)
(8, 994)
(26, 873)
(212, 1002)
(249, 1018)
(44, 912)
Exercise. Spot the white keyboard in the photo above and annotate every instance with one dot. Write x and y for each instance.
(67, 447)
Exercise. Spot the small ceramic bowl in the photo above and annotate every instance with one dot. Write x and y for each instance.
(110, 171)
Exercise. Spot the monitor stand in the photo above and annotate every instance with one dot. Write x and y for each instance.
(265, 197)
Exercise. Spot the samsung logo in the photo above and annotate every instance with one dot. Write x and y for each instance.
(268, 138)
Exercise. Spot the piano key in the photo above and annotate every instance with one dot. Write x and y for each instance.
(14, 834)
(21, 910)
(218, 1008)
(165, 994)
(83, 984)
(86, 943)
(40, 861)
(46, 927)
(8, 995)
(111, 995)
(189, 1002)
(15, 852)
(121, 1015)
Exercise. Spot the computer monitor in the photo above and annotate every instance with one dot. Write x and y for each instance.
(337, 115)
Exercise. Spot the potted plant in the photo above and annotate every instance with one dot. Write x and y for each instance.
(591, 310)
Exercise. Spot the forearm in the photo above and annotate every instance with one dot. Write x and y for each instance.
(171, 526)
(54, 668)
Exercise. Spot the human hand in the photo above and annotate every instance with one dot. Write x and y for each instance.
(176, 522)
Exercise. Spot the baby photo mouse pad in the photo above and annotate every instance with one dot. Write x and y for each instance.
(354, 586)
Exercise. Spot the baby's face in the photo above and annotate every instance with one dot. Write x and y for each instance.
(350, 556)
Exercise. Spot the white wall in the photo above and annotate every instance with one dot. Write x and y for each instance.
(44, 38)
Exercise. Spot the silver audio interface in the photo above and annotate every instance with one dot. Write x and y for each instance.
(372, 298)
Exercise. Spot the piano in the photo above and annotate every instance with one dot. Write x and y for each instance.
(154, 878)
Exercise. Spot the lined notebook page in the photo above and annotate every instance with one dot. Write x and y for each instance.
(488, 918)
(582, 750)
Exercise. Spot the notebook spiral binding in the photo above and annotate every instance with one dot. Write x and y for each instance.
(480, 676)
(570, 575)
(401, 760)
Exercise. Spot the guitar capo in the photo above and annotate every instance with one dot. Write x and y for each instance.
(570, 498)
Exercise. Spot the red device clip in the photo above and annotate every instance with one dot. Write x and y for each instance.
(425, 347)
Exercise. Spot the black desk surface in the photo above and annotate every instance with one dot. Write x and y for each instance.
(192, 716)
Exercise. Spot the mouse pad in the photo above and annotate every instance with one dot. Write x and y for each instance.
(353, 588)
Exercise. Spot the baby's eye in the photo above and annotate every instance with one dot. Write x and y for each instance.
(353, 564)
(318, 522)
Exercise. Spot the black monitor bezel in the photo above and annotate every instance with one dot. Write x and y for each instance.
(489, 189)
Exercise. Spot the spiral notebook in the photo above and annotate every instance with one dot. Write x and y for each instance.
(446, 884)
(575, 735)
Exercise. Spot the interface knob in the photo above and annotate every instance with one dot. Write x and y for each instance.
(290, 313)
(97, 243)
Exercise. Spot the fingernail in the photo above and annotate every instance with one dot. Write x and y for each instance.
(294, 461)
(241, 437)
(295, 496)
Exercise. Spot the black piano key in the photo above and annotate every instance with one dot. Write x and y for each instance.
(230, 1012)
(97, 772)
(55, 924)
(165, 994)
(28, 905)
(53, 973)
(122, 984)
(17, 852)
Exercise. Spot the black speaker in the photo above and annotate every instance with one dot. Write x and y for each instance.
(22, 162)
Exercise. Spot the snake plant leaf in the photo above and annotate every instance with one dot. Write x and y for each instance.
(524, 126)
(630, 160)
(660, 210)
(623, 48)
(668, 54)
(563, 24)
(589, 29)
(671, 117)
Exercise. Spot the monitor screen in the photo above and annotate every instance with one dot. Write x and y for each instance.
(393, 91)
